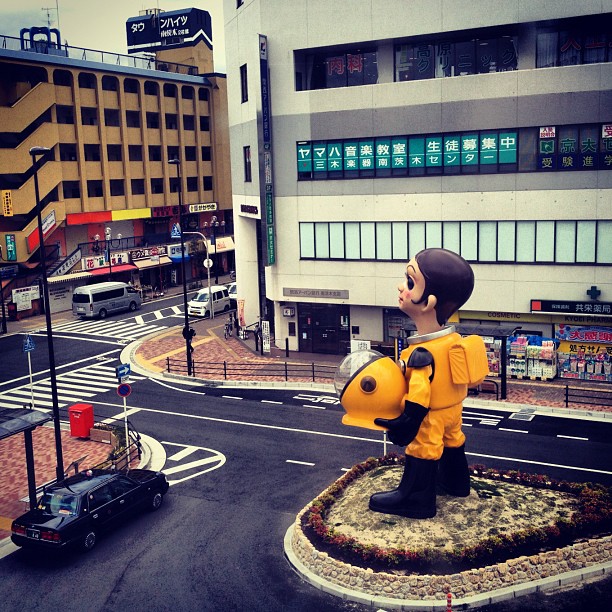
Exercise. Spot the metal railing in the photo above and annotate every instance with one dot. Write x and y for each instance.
(589, 397)
(253, 370)
(82, 53)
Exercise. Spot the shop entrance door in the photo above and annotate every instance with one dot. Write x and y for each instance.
(323, 328)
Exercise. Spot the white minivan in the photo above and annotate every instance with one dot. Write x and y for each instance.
(101, 299)
(199, 306)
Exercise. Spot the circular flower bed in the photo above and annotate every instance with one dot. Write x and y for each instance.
(584, 510)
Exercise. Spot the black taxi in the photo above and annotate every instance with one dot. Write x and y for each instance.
(75, 510)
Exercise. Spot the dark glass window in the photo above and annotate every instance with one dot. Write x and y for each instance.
(203, 94)
(110, 83)
(189, 122)
(346, 69)
(573, 43)
(206, 154)
(153, 120)
(157, 185)
(117, 187)
(89, 116)
(192, 183)
(190, 154)
(87, 80)
(132, 119)
(171, 121)
(111, 117)
(62, 77)
(130, 86)
(72, 189)
(114, 152)
(205, 123)
(155, 153)
(92, 152)
(208, 183)
(135, 152)
(65, 114)
(246, 155)
(68, 152)
(138, 186)
(187, 93)
(151, 88)
(170, 90)
(244, 84)
(94, 189)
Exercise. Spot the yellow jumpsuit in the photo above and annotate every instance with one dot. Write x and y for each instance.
(442, 425)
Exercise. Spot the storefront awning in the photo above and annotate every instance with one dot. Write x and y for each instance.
(224, 243)
(114, 269)
(66, 278)
(144, 264)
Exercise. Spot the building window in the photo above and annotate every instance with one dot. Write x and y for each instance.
(170, 90)
(68, 152)
(132, 119)
(153, 121)
(65, 114)
(171, 121)
(189, 122)
(174, 184)
(244, 83)
(346, 68)
(111, 117)
(138, 186)
(110, 83)
(114, 153)
(205, 123)
(151, 88)
(500, 242)
(157, 185)
(62, 78)
(155, 153)
(206, 153)
(72, 189)
(573, 44)
(92, 152)
(135, 152)
(246, 156)
(94, 189)
(203, 94)
(130, 86)
(87, 80)
(191, 153)
(116, 187)
(187, 93)
(89, 116)
(173, 152)
(208, 183)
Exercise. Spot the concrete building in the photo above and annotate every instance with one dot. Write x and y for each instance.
(364, 131)
(113, 123)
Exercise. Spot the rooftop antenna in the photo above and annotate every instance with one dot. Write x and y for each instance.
(56, 9)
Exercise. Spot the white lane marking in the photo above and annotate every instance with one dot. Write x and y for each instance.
(232, 397)
(177, 309)
(65, 365)
(317, 407)
(139, 319)
(300, 462)
(572, 437)
(341, 436)
(188, 450)
(512, 430)
(80, 338)
(270, 402)
(158, 314)
(120, 415)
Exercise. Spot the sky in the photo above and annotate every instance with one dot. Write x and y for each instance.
(100, 24)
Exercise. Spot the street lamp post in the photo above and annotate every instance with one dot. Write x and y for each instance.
(188, 333)
(212, 309)
(214, 224)
(107, 233)
(59, 470)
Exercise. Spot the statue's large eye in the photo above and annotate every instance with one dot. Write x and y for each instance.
(409, 282)
(368, 384)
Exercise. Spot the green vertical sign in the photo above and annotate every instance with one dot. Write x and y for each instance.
(383, 154)
(433, 146)
(334, 156)
(271, 245)
(416, 153)
(319, 152)
(366, 154)
(488, 148)
(399, 152)
(351, 155)
(507, 147)
(469, 149)
(304, 157)
(269, 208)
(452, 150)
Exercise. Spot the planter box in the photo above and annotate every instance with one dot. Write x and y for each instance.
(102, 435)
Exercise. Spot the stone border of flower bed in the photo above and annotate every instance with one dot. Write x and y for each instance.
(495, 582)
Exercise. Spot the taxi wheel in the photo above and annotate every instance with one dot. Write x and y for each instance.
(156, 501)
(89, 541)
(132, 306)
(103, 313)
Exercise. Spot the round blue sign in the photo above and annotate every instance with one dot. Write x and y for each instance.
(124, 390)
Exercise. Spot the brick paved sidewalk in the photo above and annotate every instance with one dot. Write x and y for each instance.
(14, 477)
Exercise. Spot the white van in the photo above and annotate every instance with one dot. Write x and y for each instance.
(199, 306)
(103, 298)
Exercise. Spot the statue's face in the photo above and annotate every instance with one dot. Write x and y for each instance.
(411, 289)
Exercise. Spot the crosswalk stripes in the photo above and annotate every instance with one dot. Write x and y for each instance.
(78, 385)
(109, 329)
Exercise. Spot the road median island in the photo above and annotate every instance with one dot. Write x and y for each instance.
(514, 534)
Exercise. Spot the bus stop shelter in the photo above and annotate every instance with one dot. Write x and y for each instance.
(17, 420)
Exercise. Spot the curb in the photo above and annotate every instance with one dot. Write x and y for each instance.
(599, 570)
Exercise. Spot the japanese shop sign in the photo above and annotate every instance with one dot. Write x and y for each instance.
(11, 247)
(582, 334)
(566, 307)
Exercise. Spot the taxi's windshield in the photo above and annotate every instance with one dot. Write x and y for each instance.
(59, 503)
(202, 297)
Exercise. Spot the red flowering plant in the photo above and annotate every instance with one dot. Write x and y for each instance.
(593, 517)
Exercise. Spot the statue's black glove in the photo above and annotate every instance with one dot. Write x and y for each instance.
(404, 428)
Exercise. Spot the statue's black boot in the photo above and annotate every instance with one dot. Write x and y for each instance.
(453, 472)
(415, 497)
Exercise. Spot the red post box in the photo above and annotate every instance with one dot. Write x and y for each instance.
(81, 420)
